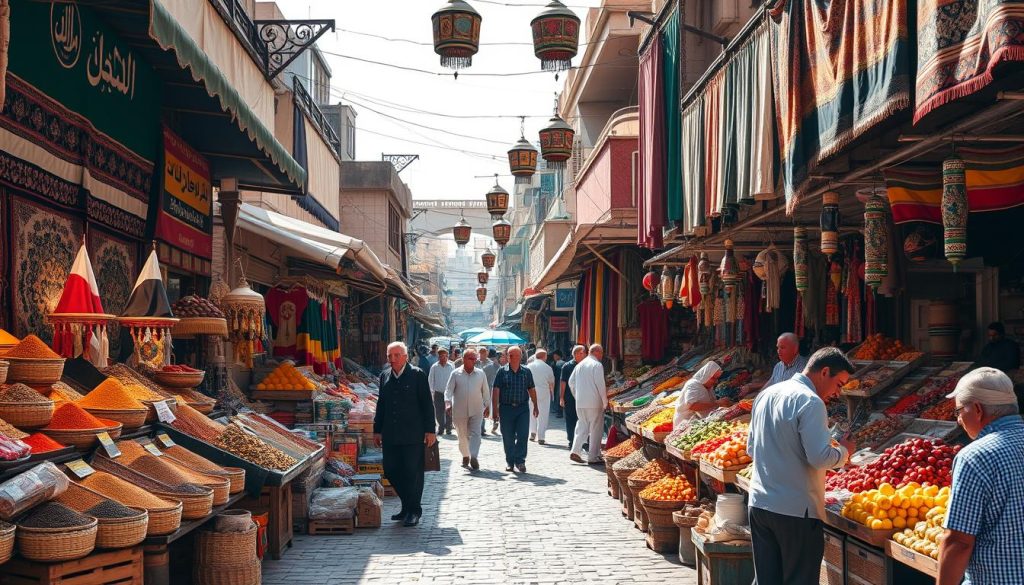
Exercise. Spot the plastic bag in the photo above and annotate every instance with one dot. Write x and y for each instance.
(331, 480)
(39, 484)
(13, 449)
(339, 467)
(333, 503)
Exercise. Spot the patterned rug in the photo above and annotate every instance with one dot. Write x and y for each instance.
(115, 262)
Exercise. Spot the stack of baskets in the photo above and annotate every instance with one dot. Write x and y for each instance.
(226, 558)
(6, 541)
(662, 531)
(639, 513)
(625, 495)
(111, 532)
(613, 483)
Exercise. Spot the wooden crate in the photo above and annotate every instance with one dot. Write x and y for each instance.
(116, 567)
(278, 502)
(723, 475)
(831, 575)
(331, 527)
(875, 538)
(835, 549)
(866, 565)
(912, 558)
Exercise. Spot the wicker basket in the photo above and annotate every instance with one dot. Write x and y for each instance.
(83, 439)
(27, 415)
(192, 326)
(226, 549)
(35, 370)
(164, 521)
(220, 484)
(129, 419)
(202, 407)
(4, 366)
(52, 545)
(639, 513)
(194, 506)
(112, 532)
(6, 542)
(241, 574)
(179, 379)
(236, 477)
(671, 505)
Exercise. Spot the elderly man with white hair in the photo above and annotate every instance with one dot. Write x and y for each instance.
(985, 513)
(787, 346)
(588, 387)
(467, 399)
(544, 378)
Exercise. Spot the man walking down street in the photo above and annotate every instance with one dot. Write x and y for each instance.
(565, 397)
(588, 388)
(556, 363)
(468, 401)
(792, 449)
(502, 361)
(544, 378)
(438, 377)
(402, 425)
(512, 394)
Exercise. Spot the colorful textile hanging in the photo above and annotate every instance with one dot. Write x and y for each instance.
(79, 322)
(693, 170)
(995, 181)
(852, 292)
(876, 245)
(670, 56)
(835, 276)
(714, 97)
(954, 209)
(844, 67)
(704, 273)
(829, 223)
(689, 293)
(651, 210)
(800, 258)
(769, 266)
(959, 44)
(798, 320)
(755, 126)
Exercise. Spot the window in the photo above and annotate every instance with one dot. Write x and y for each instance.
(394, 229)
(350, 139)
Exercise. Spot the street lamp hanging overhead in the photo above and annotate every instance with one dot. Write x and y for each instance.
(456, 34)
(502, 232)
(461, 230)
(556, 37)
(488, 258)
(482, 277)
(556, 142)
(497, 200)
(522, 161)
(481, 294)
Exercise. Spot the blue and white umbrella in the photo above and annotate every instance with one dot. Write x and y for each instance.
(495, 337)
(471, 332)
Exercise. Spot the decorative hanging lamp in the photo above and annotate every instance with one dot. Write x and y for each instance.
(456, 34)
(497, 200)
(665, 286)
(800, 258)
(487, 258)
(651, 281)
(729, 268)
(704, 271)
(556, 142)
(556, 37)
(677, 286)
(481, 294)
(522, 161)
(482, 277)
(829, 223)
(876, 243)
(954, 209)
(461, 230)
(501, 230)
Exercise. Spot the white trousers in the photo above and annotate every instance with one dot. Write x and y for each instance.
(468, 430)
(539, 424)
(589, 429)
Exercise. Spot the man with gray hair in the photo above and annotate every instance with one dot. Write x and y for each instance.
(790, 362)
(512, 393)
(467, 400)
(985, 512)
(566, 399)
(544, 378)
(591, 394)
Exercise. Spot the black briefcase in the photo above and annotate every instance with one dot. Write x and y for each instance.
(431, 457)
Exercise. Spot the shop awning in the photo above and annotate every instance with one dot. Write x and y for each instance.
(580, 247)
(214, 118)
(429, 321)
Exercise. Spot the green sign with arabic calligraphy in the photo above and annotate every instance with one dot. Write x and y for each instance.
(67, 52)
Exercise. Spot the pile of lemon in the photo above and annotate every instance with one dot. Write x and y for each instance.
(927, 535)
(286, 377)
(888, 508)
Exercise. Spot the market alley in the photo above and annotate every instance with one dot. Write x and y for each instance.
(554, 524)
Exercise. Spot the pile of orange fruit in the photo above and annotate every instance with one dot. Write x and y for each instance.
(653, 471)
(888, 508)
(286, 377)
(880, 347)
(671, 488)
(731, 453)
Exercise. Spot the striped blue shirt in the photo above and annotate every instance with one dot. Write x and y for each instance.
(513, 386)
(781, 372)
(987, 501)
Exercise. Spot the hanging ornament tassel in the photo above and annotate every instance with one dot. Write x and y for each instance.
(954, 209)
(830, 223)
(876, 245)
(800, 258)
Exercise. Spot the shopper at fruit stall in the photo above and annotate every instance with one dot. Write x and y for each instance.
(438, 377)
(984, 539)
(565, 398)
(787, 346)
(544, 378)
(588, 388)
(403, 423)
(467, 398)
(512, 394)
(791, 447)
(999, 353)
(698, 397)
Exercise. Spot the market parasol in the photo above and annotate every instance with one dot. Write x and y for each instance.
(471, 332)
(495, 337)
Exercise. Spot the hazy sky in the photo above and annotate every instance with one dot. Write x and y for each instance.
(441, 172)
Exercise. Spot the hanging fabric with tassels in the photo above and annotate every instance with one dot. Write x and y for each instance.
(800, 258)
(876, 245)
(954, 209)
(829, 223)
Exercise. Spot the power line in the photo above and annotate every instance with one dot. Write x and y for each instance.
(427, 144)
(430, 43)
(442, 130)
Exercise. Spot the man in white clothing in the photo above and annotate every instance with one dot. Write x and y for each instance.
(467, 399)
(587, 385)
(544, 379)
(438, 379)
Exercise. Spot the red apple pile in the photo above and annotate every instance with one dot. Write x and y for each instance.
(924, 461)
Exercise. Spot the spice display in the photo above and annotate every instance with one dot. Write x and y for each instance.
(71, 417)
(21, 492)
(136, 457)
(193, 461)
(54, 515)
(179, 369)
(635, 460)
(120, 490)
(20, 393)
(653, 471)
(731, 453)
(272, 430)
(251, 448)
(192, 422)
(32, 348)
(699, 432)
(111, 509)
(10, 430)
(625, 448)
(663, 416)
(671, 488)
(945, 410)
(286, 377)
(40, 443)
(914, 460)
(135, 383)
(61, 392)
(878, 432)
(888, 508)
(880, 347)
(110, 395)
(13, 449)
(189, 396)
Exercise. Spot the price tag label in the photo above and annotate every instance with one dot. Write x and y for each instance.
(80, 468)
(108, 445)
(165, 440)
(907, 554)
(163, 412)
(152, 449)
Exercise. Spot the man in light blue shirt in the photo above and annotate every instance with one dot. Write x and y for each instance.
(438, 378)
(790, 362)
(791, 447)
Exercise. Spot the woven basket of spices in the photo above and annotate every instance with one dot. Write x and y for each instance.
(53, 532)
(83, 439)
(164, 513)
(179, 379)
(182, 456)
(27, 415)
(4, 366)
(119, 526)
(113, 401)
(196, 500)
(35, 371)
(129, 419)
(151, 412)
(6, 541)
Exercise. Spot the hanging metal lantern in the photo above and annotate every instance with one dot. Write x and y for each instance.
(502, 232)
(829, 223)
(487, 258)
(729, 268)
(704, 271)
(665, 285)
(481, 294)
(456, 34)
(800, 258)
(556, 143)
(461, 231)
(482, 277)
(497, 201)
(954, 209)
(677, 285)
(556, 36)
(651, 281)
(522, 161)
(876, 244)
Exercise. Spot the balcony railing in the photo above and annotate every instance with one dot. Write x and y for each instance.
(316, 115)
(245, 29)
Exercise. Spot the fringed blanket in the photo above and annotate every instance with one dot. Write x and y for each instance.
(995, 181)
(843, 66)
(959, 42)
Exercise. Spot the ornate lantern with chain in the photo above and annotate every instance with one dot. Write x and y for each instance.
(556, 142)
(482, 277)
(456, 34)
(481, 294)
(462, 230)
(829, 223)
(488, 258)
(556, 37)
(497, 200)
(501, 230)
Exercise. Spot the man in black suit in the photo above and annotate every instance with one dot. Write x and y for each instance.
(403, 424)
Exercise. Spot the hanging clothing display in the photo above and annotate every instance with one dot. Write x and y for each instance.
(852, 289)
(653, 330)
(693, 172)
(651, 210)
(689, 292)
(671, 53)
(714, 96)
(286, 307)
(814, 297)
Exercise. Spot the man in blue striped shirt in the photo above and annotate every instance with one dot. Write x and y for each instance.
(984, 538)
(513, 391)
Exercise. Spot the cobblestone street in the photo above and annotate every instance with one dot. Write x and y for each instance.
(554, 524)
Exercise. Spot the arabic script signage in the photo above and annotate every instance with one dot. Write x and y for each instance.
(184, 219)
